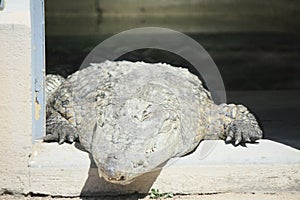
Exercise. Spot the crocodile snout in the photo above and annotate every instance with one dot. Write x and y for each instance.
(115, 170)
(114, 176)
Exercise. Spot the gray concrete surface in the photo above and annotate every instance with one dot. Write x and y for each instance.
(64, 170)
(221, 196)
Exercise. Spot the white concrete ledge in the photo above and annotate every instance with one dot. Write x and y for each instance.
(268, 166)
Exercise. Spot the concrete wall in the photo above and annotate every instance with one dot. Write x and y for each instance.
(189, 16)
(15, 95)
(254, 43)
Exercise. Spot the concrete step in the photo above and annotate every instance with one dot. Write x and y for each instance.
(214, 167)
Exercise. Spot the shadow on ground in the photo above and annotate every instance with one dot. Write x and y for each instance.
(96, 186)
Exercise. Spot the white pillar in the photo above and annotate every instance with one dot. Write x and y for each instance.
(15, 95)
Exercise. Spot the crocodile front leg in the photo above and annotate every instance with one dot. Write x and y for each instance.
(59, 129)
(234, 123)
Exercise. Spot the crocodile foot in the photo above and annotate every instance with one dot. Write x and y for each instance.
(242, 132)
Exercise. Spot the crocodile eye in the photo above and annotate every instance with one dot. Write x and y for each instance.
(122, 178)
(66, 102)
(102, 95)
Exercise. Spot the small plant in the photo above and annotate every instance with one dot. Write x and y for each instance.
(156, 194)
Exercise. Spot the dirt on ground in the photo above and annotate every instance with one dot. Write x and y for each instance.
(221, 196)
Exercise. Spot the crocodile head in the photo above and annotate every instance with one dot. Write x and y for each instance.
(140, 139)
(124, 167)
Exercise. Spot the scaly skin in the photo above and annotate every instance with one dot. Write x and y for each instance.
(133, 117)
(234, 123)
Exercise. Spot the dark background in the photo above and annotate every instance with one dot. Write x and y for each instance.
(254, 43)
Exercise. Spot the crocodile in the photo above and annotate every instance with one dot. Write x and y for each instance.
(132, 117)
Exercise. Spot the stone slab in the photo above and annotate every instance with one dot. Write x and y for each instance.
(64, 170)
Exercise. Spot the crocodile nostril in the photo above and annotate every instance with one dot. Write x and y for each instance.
(120, 178)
